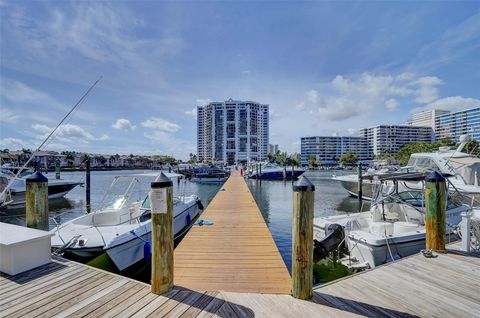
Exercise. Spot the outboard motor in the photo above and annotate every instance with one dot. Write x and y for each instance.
(334, 239)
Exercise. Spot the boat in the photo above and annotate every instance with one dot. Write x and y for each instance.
(463, 168)
(273, 171)
(13, 187)
(209, 175)
(121, 228)
(393, 228)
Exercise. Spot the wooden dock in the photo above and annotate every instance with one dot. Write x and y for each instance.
(445, 286)
(237, 253)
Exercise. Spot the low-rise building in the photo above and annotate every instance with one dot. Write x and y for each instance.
(327, 150)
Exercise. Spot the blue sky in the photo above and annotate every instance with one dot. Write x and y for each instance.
(323, 67)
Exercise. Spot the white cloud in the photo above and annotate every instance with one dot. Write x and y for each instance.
(169, 144)
(160, 124)
(13, 144)
(8, 116)
(202, 101)
(18, 92)
(391, 104)
(68, 133)
(246, 72)
(123, 124)
(452, 103)
(351, 131)
(347, 97)
(426, 89)
(192, 112)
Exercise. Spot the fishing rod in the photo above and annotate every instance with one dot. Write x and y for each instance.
(77, 104)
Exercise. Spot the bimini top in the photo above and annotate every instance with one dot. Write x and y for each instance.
(401, 176)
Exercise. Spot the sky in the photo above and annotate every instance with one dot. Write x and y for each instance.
(325, 68)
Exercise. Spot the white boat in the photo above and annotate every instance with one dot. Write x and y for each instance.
(393, 228)
(122, 228)
(12, 187)
(463, 170)
(273, 171)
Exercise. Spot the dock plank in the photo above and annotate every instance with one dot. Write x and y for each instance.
(236, 253)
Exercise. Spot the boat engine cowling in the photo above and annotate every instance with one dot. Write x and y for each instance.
(334, 239)
(199, 204)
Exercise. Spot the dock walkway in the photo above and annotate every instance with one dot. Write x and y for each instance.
(446, 286)
(237, 253)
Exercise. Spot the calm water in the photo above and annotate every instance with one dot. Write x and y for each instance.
(274, 199)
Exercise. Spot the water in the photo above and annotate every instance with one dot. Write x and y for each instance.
(73, 205)
(274, 199)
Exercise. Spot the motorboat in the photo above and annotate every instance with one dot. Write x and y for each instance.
(393, 228)
(273, 171)
(463, 168)
(13, 187)
(121, 227)
(209, 175)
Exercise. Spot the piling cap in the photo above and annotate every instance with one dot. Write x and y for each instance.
(36, 177)
(303, 184)
(162, 181)
(435, 176)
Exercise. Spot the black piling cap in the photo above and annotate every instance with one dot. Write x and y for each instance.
(37, 177)
(162, 181)
(435, 176)
(303, 184)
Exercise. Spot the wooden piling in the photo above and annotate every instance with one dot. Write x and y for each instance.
(57, 168)
(37, 201)
(302, 238)
(360, 186)
(88, 206)
(435, 207)
(161, 198)
(293, 172)
(260, 170)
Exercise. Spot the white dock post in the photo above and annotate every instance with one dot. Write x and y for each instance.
(465, 231)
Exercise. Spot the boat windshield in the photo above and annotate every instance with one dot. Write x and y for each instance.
(416, 198)
(423, 163)
(147, 206)
(116, 202)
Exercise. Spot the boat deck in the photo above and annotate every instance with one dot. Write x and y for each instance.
(237, 253)
(445, 286)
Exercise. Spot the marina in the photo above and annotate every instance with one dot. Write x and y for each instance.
(64, 288)
(237, 159)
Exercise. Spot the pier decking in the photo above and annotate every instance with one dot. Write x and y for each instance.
(446, 286)
(237, 253)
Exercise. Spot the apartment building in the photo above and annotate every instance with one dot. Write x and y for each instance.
(390, 138)
(328, 149)
(427, 118)
(455, 124)
(232, 132)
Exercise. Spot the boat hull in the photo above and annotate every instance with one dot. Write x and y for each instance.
(277, 175)
(54, 192)
(128, 253)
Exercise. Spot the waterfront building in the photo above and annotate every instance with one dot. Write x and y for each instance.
(426, 118)
(232, 132)
(328, 149)
(388, 139)
(455, 124)
(273, 149)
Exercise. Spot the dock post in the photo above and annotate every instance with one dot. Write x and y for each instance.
(302, 238)
(256, 171)
(435, 207)
(57, 168)
(260, 170)
(87, 186)
(293, 172)
(465, 231)
(37, 201)
(360, 186)
(161, 198)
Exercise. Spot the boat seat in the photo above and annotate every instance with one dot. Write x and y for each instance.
(381, 228)
(404, 227)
